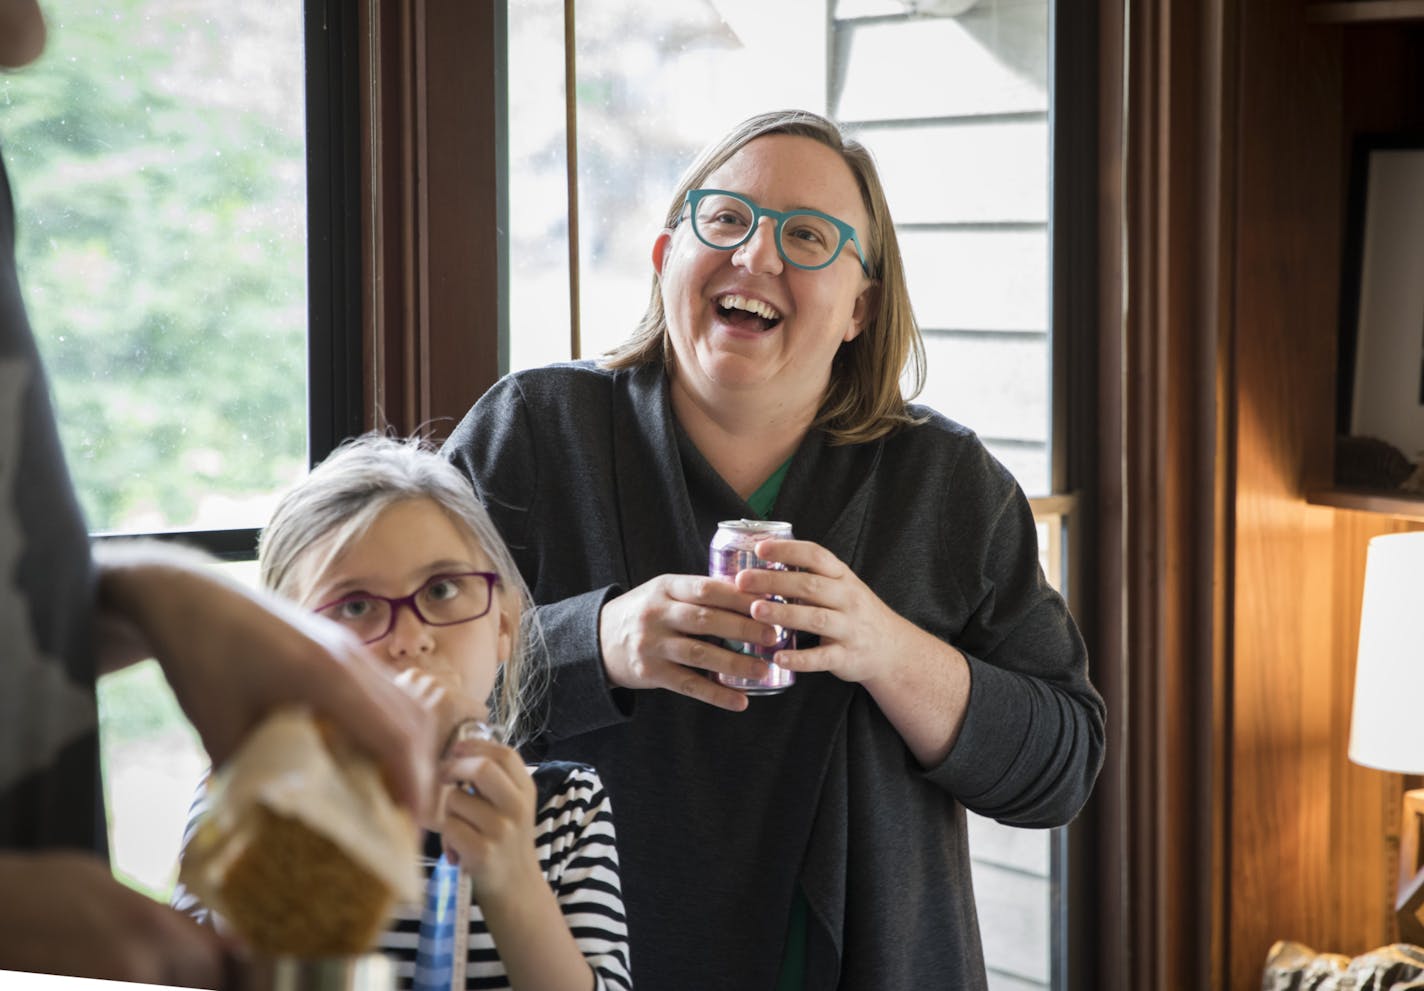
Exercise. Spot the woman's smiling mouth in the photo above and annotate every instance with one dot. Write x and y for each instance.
(743, 312)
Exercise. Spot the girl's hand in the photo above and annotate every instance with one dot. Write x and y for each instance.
(488, 821)
(449, 711)
(858, 631)
(651, 637)
(488, 829)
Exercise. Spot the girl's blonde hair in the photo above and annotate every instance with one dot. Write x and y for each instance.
(338, 501)
(864, 399)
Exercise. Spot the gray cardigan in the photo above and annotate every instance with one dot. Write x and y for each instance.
(720, 816)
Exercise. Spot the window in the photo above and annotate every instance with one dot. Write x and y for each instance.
(159, 164)
(160, 157)
(954, 99)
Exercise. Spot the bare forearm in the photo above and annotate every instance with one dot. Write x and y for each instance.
(119, 643)
(924, 692)
(534, 941)
(232, 655)
(133, 576)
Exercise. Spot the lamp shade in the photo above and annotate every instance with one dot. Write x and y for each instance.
(1389, 670)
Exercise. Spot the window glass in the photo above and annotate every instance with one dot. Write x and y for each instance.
(951, 96)
(153, 761)
(157, 152)
(657, 79)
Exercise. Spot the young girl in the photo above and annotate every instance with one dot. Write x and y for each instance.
(387, 538)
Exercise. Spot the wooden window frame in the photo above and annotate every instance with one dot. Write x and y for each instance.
(434, 292)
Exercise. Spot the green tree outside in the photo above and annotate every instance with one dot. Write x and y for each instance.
(157, 155)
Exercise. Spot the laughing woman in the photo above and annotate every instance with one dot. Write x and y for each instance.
(813, 838)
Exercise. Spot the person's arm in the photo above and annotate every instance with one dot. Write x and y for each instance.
(590, 890)
(920, 682)
(1005, 718)
(232, 655)
(64, 913)
(489, 832)
(580, 697)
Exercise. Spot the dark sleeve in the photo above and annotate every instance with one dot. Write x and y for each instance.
(1031, 744)
(497, 447)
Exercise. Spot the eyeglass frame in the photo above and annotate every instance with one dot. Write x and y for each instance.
(395, 603)
(847, 232)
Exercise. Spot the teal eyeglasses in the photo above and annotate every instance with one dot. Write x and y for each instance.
(805, 238)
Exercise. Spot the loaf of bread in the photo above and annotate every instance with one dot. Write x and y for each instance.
(302, 851)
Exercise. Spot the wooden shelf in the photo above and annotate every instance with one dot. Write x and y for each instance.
(1370, 501)
(1365, 11)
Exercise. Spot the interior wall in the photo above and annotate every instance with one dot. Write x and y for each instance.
(1285, 768)
(1312, 837)
(1244, 821)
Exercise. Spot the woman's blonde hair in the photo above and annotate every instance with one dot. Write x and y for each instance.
(338, 501)
(864, 399)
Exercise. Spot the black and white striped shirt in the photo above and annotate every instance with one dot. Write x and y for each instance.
(575, 841)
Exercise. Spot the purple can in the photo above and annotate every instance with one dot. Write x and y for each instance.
(733, 550)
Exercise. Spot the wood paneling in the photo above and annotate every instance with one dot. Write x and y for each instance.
(1365, 805)
(1244, 820)
(1360, 11)
(1176, 375)
(1111, 937)
(432, 106)
(1283, 755)
(1312, 836)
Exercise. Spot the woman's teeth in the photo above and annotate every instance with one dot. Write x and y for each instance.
(731, 301)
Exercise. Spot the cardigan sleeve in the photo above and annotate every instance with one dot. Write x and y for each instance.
(497, 448)
(1031, 743)
(580, 697)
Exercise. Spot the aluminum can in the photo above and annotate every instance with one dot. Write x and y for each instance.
(734, 549)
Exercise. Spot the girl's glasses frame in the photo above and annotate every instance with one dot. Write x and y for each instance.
(394, 603)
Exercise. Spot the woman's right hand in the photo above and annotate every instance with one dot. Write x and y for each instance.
(653, 637)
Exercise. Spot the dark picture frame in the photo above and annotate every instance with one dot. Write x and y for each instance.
(1380, 413)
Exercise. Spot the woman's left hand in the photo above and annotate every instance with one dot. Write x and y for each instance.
(857, 630)
(489, 828)
(920, 682)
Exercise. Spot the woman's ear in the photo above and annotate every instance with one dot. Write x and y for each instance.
(866, 304)
(660, 250)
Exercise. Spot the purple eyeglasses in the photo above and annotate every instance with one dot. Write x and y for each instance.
(443, 600)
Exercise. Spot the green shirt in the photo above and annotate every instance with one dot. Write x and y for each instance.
(764, 498)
